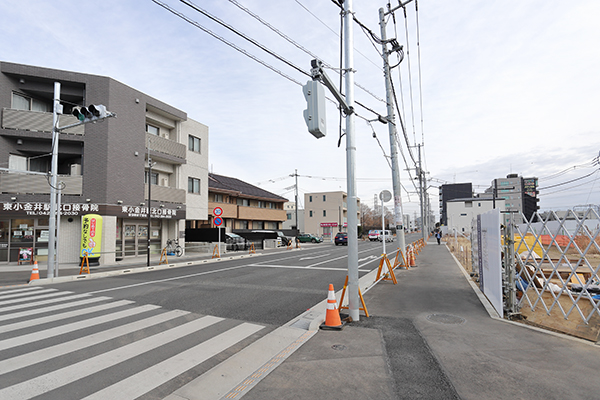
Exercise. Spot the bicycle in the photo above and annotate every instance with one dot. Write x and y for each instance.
(173, 247)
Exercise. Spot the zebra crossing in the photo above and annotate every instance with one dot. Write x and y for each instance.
(55, 344)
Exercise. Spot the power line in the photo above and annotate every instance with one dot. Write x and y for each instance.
(237, 32)
(197, 25)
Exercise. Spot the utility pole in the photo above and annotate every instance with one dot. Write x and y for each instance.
(296, 175)
(397, 187)
(52, 236)
(353, 296)
(149, 203)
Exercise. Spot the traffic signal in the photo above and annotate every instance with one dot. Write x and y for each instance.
(314, 115)
(90, 113)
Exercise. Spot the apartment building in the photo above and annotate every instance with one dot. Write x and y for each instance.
(244, 205)
(326, 213)
(103, 167)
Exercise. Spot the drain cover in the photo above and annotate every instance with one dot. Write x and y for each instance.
(338, 347)
(446, 319)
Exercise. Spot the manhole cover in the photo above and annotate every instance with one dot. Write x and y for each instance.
(446, 319)
(338, 347)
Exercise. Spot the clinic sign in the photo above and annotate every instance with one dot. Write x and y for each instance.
(155, 212)
(34, 209)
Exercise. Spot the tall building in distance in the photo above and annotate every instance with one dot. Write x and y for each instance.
(450, 192)
(519, 194)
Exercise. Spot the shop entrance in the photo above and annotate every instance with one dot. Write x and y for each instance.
(134, 241)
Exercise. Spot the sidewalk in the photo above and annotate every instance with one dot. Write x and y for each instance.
(431, 337)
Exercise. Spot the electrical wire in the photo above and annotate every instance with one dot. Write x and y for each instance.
(232, 45)
(248, 38)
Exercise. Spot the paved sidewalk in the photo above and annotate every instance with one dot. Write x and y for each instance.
(431, 337)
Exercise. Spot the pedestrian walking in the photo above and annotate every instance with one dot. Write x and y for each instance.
(438, 236)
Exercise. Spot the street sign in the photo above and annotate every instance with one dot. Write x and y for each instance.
(385, 196)
(218, 221)
(217, 212)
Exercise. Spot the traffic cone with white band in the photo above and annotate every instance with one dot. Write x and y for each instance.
(332, 317)
(35, 273)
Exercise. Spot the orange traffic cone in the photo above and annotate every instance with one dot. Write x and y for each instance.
(35, 273)
(332, 317)
(412, 257)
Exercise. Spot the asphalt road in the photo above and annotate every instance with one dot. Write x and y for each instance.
(205, 314)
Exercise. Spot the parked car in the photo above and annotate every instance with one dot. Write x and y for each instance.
(235, 242)
(285, 241)
(341, 238)
(373, 235)
(388, 236)
(309, 237)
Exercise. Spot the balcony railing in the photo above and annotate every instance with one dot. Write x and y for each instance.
(25, 183)
(37, 121)
(166, 146)
(166, 194)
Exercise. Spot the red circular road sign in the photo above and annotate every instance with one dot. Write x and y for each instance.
(218, 211)
(218, 221)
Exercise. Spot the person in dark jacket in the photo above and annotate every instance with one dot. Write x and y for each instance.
(438, 236)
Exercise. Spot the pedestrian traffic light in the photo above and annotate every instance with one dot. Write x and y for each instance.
(90, 113)
(314, 115)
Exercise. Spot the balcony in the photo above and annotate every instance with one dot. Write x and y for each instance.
(25, 183)
(168, 147)
(166, 194)
(37, 121)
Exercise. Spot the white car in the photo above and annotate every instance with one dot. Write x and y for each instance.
(388, 236)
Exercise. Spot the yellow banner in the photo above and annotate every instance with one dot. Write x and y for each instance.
(91, 235)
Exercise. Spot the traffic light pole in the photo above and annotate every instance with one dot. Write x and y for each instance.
(54, 217)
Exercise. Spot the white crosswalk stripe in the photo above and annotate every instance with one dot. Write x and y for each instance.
(82, 339)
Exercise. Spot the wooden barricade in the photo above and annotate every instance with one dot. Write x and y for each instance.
(400, 261)
(216, 253)
(85, 261)
(163, 257)
(362, 300)
(389, 276)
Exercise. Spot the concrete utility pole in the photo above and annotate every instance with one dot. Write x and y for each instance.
(393, 133)
(52, 235)
(353, 297)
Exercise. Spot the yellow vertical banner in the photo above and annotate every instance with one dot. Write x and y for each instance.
(91, 236)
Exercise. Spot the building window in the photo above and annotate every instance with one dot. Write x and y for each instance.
(193, 144)
(324, 213)
(153, 130)
(310, 213)
(22, 102)
(310, 199)
(243, 202)
(324, 198)
(194, 185)
(289, 216)
(218, 198)
(154, 178)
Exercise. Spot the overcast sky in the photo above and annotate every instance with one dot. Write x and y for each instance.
(492, 88)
